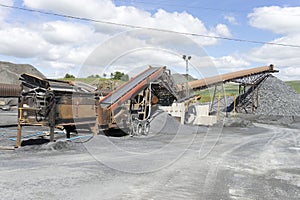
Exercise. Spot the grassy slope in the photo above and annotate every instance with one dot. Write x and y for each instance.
(84, 80)
(295, 85)
(230, 90)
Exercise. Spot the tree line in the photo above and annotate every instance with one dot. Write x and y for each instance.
(117, 75)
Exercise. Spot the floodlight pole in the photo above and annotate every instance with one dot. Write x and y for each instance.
(186, 59)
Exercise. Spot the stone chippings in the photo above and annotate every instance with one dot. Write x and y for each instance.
(277, 98)
(10, 72)
(162, 122)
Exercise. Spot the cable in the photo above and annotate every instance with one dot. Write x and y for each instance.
(148, 28)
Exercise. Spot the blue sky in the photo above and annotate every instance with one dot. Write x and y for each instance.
(58, 45)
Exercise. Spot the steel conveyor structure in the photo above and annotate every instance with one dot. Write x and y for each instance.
(131, 87)
(136, 96)
(47, 102)
(233, 76)
(249, 78)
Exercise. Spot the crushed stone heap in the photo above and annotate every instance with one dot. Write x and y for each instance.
(276, 98)
(10, 72)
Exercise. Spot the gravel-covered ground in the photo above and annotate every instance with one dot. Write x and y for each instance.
(255, 161)
(241, 158)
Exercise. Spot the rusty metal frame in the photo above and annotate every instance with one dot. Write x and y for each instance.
(218, 100)
(247, 100)
(47, 99)
(211, 81)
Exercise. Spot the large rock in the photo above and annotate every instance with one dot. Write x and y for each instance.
(10, 72)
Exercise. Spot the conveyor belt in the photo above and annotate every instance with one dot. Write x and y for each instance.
(131, 86)
(207, 82)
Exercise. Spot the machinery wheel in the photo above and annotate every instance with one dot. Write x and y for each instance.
(139, 129)
(191, 115)
(146, 128)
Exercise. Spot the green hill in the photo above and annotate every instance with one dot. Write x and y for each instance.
(295, 85)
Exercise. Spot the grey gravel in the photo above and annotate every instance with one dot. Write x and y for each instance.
(162, 122)
(277, 98)
(237, 122)
(10, 72)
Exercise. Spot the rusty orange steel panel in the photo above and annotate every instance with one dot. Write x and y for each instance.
(123, 85)
(76, 112)
(137, 88)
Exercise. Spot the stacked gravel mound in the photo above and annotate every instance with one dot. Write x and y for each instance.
(10, 72)
(181, 78)
(277, 98)
(162, 122)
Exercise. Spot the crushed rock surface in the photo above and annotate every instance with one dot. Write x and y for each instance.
(277, 98)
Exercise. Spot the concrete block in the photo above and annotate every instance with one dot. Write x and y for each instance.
(176, 110)
(202, 110)
(205, 120)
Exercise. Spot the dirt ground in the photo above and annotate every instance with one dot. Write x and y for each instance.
(255, 162)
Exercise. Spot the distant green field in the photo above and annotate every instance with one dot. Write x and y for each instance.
(97, 82)
(230, 90)
(90, 81)
(295, 85)
(233, 90)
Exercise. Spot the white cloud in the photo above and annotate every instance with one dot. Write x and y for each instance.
(65, 44)
(222, 30)
(21, 42)
(4, 11)
(182, 22)
(56, 69)
(88, 8)
(282, 20)
(280, 54)
(285, 59)
(231, 19)
(230, 62)
(62, 32)
(291, 71)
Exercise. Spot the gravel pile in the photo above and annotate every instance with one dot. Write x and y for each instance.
(10, 72)
(181, 78)
(237, 122)
(162, 122)
(277, 98)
